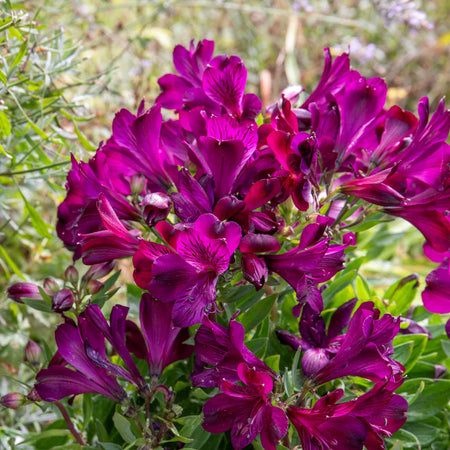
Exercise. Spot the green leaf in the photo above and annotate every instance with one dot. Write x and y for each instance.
(408, 439)
(39, 225)
(123, 426)
(5, 125)
(336, 286)
(257, 313)
(87, 409)
(48, 433)
(20, 54)
(10, 263)
(446, 347)
(413, 344)
(273, 362)
(83, 141)
(40, 305)
(434, 397)
(401, 294)
(3, 78)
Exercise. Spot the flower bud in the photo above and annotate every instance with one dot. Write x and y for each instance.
(71, 275)
(13, 400)
(33, 395)
(254, 269)
(62, 300)
(32, 353)
(23, 290)
(137, 183)
(94, 286)
(51, 285)
(156, 207)
(97, 271)
(313, 360)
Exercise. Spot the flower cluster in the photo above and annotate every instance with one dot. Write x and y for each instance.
(220, 192)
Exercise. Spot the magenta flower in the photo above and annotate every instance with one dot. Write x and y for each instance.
(219, 351)
(435, 296)
(353, 424)
(114, 242)
(160, 342)
(320, 345)
(365, 349)
(314, 261)
(188, 277)
(59, 381)
(246, 410)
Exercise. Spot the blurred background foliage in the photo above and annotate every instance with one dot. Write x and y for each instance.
(67, 66)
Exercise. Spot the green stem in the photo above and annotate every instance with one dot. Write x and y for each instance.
(36, 169)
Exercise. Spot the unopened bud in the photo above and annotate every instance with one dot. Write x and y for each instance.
(13, 400)
(23, 290)
(97, 271)
(137, 183)
(51, 285)
(33, 395)
(32, 353)
(94, 286)
(71, 275)
(62, 300)
(156, 207)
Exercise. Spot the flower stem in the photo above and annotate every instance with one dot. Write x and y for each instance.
(69, 423)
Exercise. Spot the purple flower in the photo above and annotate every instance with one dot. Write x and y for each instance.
(246, 410)
(58, 381)
(365, 349)
(353, 424)
(160, 342)
(113, 242)
(219, 351)
(320, 345)
(435, 296)
(190, 64)
(188, 278)
(78, 214)
(314, 261)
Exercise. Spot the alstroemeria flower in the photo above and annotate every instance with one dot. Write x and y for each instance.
(58, 381)
(435, 296)
(115, 241)
(365, 349)
(188, 277)
(219, 351)
(246, 410)
(320, 345)
(78, 214)
(314, 261)
(160, 342)
(353, 424)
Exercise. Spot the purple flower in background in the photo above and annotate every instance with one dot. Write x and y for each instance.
(246, 410)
